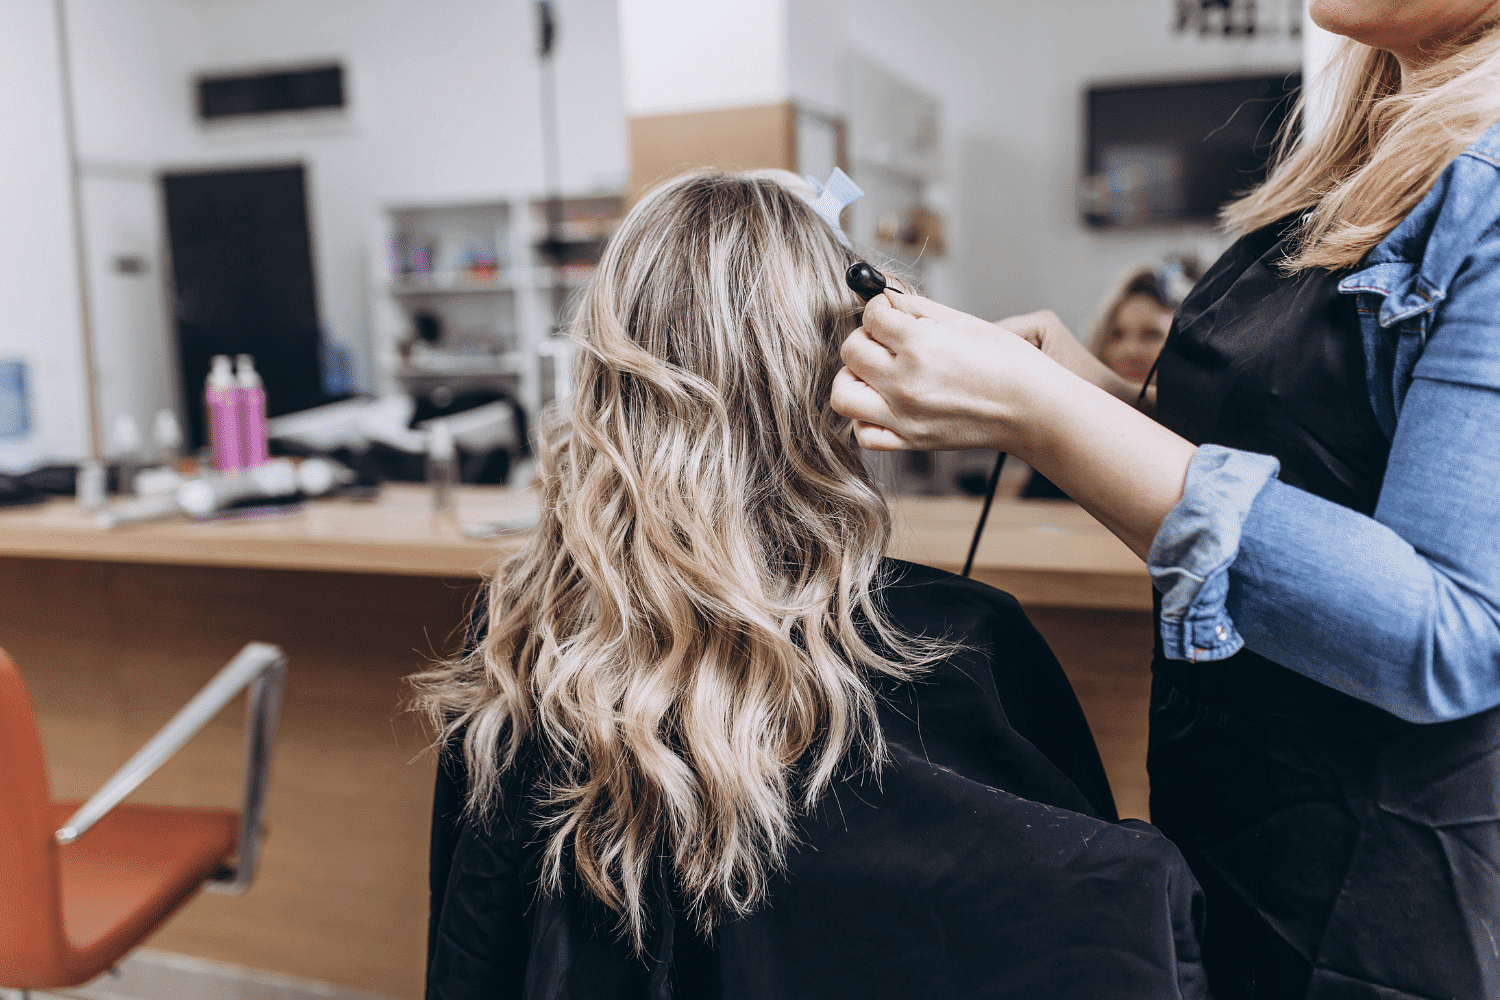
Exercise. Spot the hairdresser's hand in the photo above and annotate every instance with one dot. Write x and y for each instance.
(1046, 332)
(920, 375)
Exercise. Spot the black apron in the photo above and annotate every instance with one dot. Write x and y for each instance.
(1344, 853)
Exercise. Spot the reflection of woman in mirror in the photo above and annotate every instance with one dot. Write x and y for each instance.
(1316, 502)
(1135, 317)
(707, 741)
(1129, 329)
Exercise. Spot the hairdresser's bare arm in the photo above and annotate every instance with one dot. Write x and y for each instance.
(920, 375)
(1045, 331)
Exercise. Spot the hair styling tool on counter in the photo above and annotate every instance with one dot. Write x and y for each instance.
(866, 282)
(277, 482)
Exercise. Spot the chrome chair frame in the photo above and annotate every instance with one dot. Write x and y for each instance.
(262, 668)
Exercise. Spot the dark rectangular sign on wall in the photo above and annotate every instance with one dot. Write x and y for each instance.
(229, 96)
(242, 277)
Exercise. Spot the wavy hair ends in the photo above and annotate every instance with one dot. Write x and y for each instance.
(1384, 144)
(684, 649)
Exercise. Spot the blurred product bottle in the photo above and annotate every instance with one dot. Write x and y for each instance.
(166, 434)
(252, 403)
(90, 486)
(129, 448)
(221, 393)
(162, 478)
(442, 466)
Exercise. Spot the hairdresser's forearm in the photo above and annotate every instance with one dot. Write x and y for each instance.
(1120, 465)
(1130, 392)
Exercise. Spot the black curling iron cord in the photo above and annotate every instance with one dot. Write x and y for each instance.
(984, 513)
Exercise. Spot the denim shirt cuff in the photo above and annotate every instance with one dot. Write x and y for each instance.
(1199, 540)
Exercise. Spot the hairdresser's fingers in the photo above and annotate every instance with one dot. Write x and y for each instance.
(892, 328)
(1030, 327)
(872, 416)
(1044, 330)
(873, 437)
(856, 399)
(866, 357)
(896, 320)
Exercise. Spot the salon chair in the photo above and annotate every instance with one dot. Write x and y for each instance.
(82, 885)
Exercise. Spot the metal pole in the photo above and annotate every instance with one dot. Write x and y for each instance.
(75, 186)
(551, 151)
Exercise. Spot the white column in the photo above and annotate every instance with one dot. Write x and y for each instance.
(1318, 47)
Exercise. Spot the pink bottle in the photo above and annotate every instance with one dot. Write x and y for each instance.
(252, 403)
(222, 395)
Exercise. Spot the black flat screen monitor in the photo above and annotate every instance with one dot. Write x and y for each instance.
(1160, 154)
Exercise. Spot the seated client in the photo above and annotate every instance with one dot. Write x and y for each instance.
(707, 741)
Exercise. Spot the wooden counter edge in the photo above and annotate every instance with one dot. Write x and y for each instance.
(1033, 588)
(437, 558)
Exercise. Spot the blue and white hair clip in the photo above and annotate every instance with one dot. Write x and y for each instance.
(833, 197)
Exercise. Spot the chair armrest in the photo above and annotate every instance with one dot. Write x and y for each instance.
(260, 667)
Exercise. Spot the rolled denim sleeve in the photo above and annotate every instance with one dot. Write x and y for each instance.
(1191, 555)
(1400, 610)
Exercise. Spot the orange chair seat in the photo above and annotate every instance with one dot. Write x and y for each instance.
(131, 871)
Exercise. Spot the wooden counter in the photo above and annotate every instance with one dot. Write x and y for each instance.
(395, 533)
(116, 629)
(1047, 553)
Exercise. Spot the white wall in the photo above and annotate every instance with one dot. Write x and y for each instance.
(444, 103)
(1318, 48)
(38, 278)
(688, 55)
(1011, 75)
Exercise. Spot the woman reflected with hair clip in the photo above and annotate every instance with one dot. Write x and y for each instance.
(1128, 333)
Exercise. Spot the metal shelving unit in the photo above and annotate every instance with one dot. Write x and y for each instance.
(473, 295)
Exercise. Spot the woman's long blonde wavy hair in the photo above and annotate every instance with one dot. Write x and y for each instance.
(683, 650)
(1384, 144)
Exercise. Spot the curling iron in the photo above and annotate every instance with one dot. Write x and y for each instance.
(866, 282)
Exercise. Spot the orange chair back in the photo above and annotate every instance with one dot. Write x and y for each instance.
(31, 927)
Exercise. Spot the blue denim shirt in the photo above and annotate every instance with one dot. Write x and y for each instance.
(1402, 609)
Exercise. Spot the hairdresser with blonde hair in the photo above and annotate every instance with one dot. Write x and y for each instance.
(1318, 502)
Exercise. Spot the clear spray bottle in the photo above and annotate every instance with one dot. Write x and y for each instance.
(442, 466)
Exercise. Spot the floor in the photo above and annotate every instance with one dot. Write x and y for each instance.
(159, 975)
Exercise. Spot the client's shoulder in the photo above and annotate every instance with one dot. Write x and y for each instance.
(932, 601)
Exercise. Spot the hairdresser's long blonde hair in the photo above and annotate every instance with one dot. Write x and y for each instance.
(683, 648)
(1383, 146)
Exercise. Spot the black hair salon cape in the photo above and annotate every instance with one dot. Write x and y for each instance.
(984, 861)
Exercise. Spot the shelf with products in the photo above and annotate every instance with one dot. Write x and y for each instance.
(439, 284)
(471, 291)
